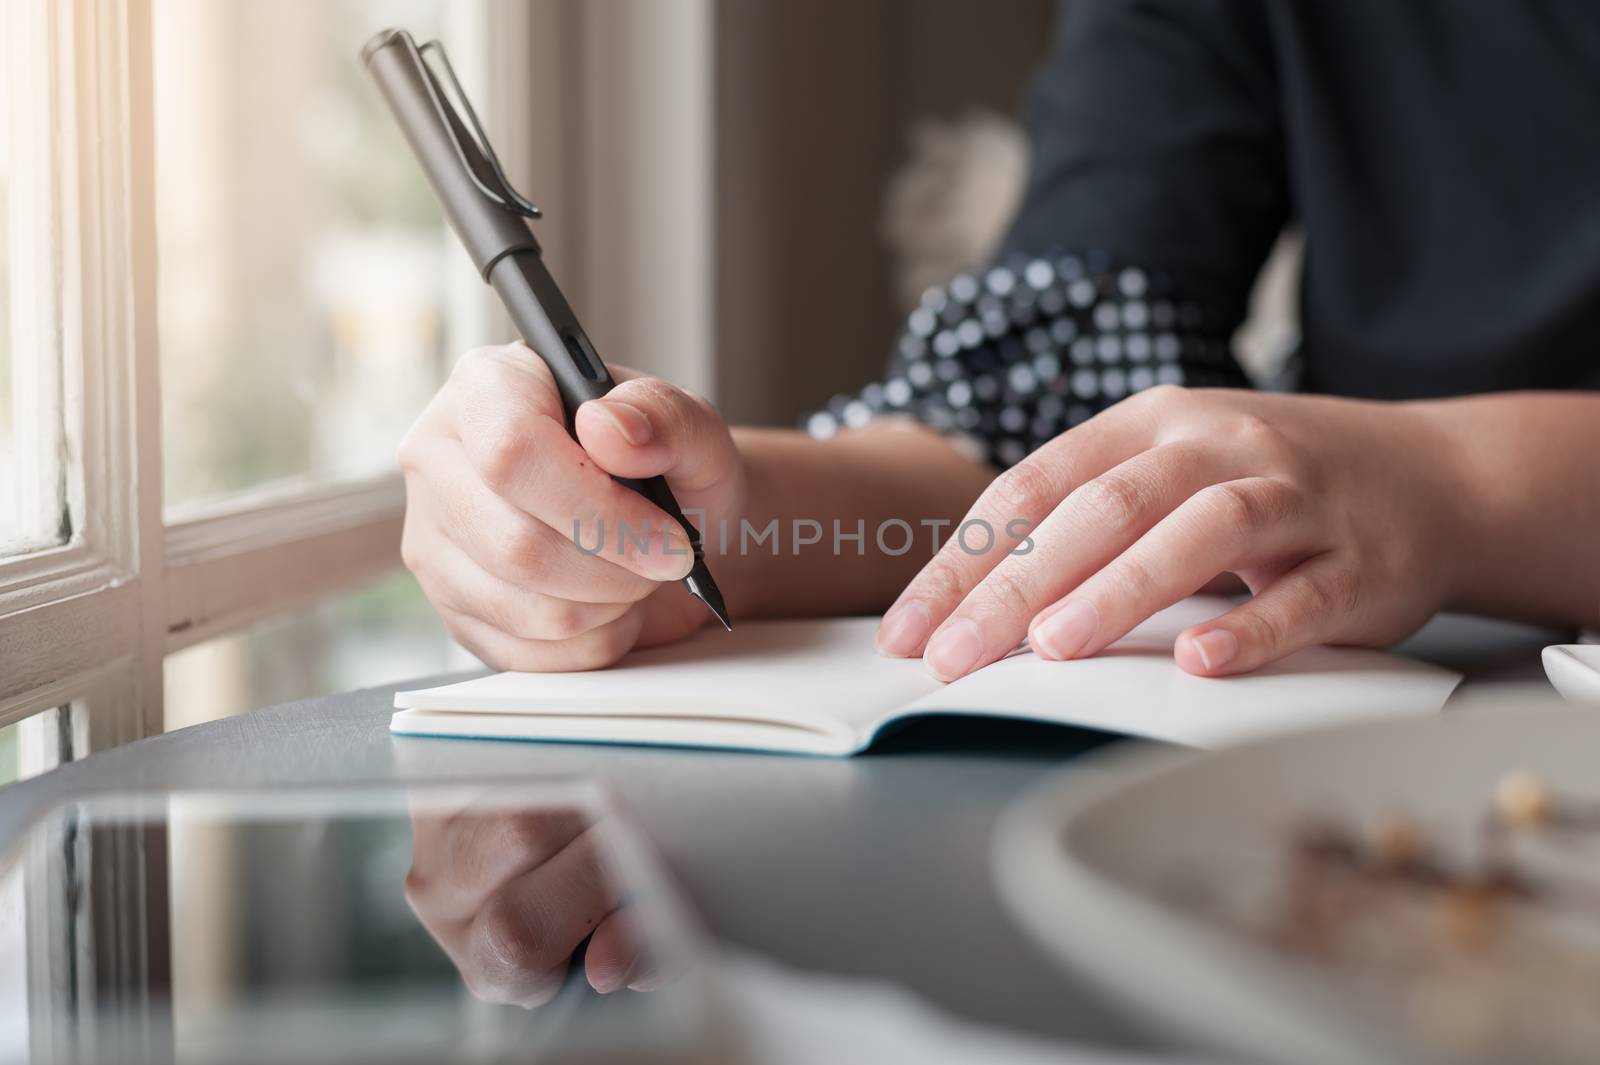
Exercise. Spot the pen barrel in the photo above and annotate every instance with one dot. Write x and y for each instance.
(548, 324)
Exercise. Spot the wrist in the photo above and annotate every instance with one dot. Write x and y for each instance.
(858, 480)
(746, 576)
(1466, 498)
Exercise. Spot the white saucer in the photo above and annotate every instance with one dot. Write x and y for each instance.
(1088, 862)
(1574, 669)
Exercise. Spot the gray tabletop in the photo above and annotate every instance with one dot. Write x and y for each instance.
(871, 866)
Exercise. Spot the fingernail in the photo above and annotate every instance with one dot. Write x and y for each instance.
(954, 649)
(1215, 648)
(630, 421)
(904, 629)
(1067, 631)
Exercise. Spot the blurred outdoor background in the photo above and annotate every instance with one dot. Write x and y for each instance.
(745, 197)
(306, 278)
(303, 291)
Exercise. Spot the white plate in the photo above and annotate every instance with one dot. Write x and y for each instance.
(1574, 669)
(1087, 862)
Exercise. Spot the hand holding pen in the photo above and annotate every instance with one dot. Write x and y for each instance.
(525, 454)
(495, 487)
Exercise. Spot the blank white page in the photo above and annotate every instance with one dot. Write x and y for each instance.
(1135, 687)
(823, 675)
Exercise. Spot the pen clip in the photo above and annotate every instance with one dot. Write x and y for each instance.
(503, 194)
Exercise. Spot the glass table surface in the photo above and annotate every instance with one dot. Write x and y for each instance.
(485, 924)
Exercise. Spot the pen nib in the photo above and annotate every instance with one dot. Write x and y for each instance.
(703, 588)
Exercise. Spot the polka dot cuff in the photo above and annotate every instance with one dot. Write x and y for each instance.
(1034, 346)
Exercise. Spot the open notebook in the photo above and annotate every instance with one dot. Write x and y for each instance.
(818, 687)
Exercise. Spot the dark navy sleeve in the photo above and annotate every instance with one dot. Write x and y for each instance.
(1156, 190)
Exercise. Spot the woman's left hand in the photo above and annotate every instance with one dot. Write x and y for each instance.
(1338, 515)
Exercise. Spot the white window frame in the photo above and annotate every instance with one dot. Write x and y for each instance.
(98, 615)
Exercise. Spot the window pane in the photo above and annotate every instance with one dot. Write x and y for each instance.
(10, 770)
(35, 744)
(32, 492)
(303, 260)
(382, 634)
(27, 748)
(14, 1045)
(7, 447)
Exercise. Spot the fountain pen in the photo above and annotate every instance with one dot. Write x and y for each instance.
(490, 217)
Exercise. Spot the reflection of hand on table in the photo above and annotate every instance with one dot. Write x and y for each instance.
(510, 895)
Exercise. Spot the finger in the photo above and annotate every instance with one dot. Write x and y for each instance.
(647, 427)
(1094, 524)
(595, 649)
(445, 496)
(452, 579)
(1317, 601)
(519, 447)
(615, 958)
(1008, 510)
(530, 928)
(1224, 527)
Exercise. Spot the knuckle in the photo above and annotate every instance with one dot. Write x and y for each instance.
(521, 549)
(417, 888)
(1026, 490)
(559, 619)
(1111, 501)
(601, 648)
(1132, 579)
(485, 370)
(514, 620)
(508, 372)
(506, 950)
(942, 580)
(675, 411)
(502, 456)
(1009, 593)
(682, 417)
(1335, 591)
(1248, 509)
(1163, 411)
(652, 392)
(473, 363)
(409, 454)
(1269, 629)
(1345, 586)
(411, 553)
(692, 413)
(702, 406)
(1256, 434)
(1236, 509)
(532, 833)
(1161, 396)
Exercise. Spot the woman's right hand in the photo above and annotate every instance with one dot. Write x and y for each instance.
(495, 488)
